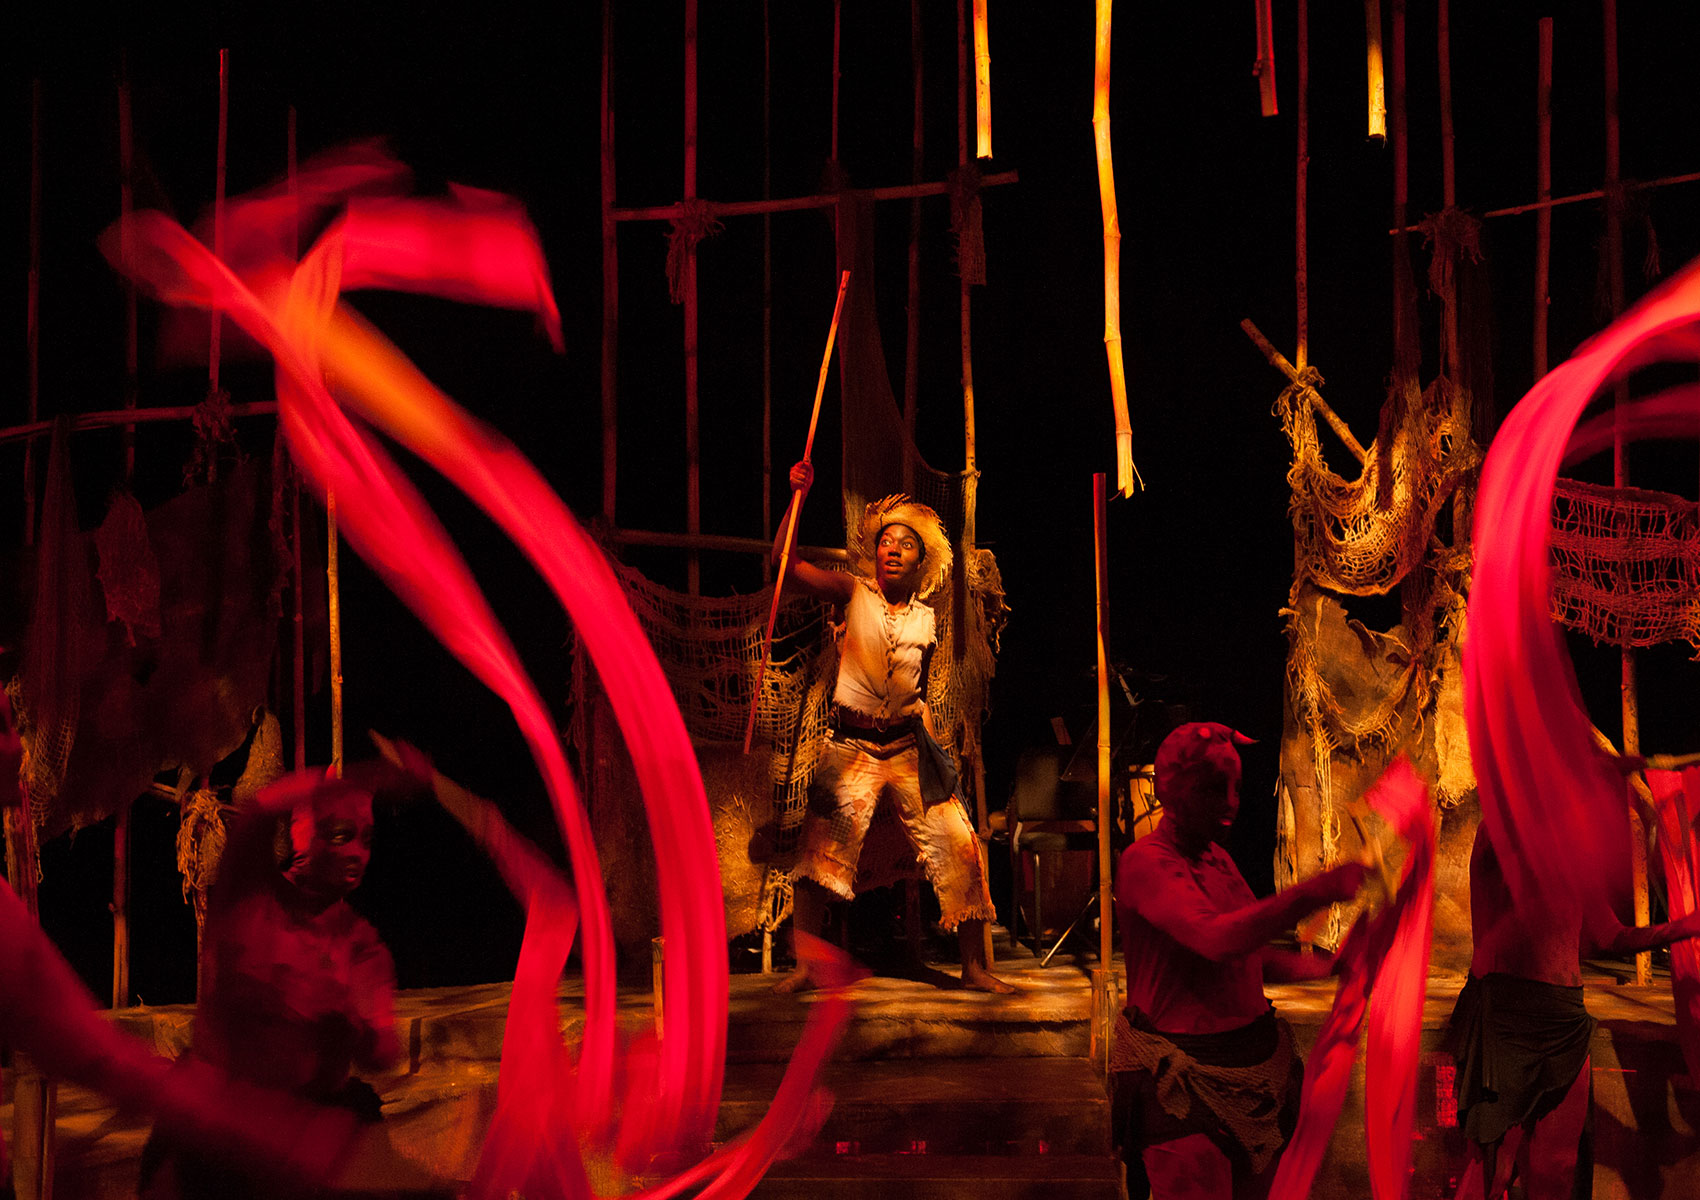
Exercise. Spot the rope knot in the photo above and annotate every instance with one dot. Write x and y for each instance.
(695, 222)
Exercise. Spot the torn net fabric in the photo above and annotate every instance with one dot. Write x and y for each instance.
(482, 251)
(1383, 970)
(1554, 806)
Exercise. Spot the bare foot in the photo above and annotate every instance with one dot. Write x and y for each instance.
(976, 978)
(797, 981)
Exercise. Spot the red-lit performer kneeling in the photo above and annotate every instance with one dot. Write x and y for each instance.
(1206, 1080)
(297, 989)
(1520, 1034)
(882, 745)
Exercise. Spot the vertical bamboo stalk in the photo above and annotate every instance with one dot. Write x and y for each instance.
(121, 820)
(1405, 351)
(1449, 196)
(126, 202)
(610, 273)
(969, 455)
(33, 318)
(1125, 474)
(1101, 576)
(218, 208)
(912, 303)
(693, 449)
(334, 615)
(766, 287)
(1266, 57)
(982, 83)
(837, 68)
(1376, 71)
(298, 624)
(1620, 456)
(1301, 195)
(1543, 193)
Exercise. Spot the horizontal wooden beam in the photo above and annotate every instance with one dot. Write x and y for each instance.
(714, 541)
(746, 208)
(131, 416)
(1557, 201)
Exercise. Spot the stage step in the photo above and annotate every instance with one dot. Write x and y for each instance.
(1055, 1106)
(943, 1177)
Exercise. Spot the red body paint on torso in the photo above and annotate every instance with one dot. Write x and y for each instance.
(1536, 941)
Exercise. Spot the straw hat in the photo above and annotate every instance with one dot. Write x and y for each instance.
(901, 510)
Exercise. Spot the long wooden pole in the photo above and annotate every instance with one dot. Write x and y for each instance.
(1101, 577)
(1125, 473)
(1620, 458)
(129, 416)
(693, 448)
(982, 82)
(610, 273)
(218, 209)
(750, 208)
(297, 615)
(1375, 70)
(837, 70)
(33, 309)
(912, 301)
(333, 584)
(792, 514)
(1449, 196)
(1301, 194)
(766, 288)
(121, 820)
(1266, 57)
(1543, 193)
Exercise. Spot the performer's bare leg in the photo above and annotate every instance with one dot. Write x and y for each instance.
(971, 941)
(1547, 1161)
(808, 915)
(1188, 1168)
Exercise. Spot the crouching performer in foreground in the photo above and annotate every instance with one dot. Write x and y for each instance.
(883, 746)
(1205, 1078)
(297, 989)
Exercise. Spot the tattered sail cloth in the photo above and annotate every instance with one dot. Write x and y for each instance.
(1244, 1103)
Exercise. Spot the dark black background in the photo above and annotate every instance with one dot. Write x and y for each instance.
(1201, 560)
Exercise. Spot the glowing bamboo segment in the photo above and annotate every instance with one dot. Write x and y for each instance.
(1126, 475)
(982, 83)
(1377, 73)
(1265, 69)
(792, 515)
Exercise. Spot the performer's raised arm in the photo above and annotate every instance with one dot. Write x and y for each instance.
(832, 586)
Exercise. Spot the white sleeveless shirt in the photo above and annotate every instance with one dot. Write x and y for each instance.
(882, 654)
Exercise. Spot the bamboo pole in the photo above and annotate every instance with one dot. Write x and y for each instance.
(766, 294)
(1101, 575)
(791, 516)
(1536, 206)
(610, 273)
(1620, 459)
(1280, 363)
(125, 416)
(982, 83)
(723, 543)
(218, 212)
(1376, 71)
(1406, 355)
(970, 468)
(1301, 194)
(1126, 475)
(121, 819)
(126, 202)
(693, 447)
(334, 617)
(912, 295)
(747, 208)
(1265, 69)
(1543, 192)
(298, 625)
(1449, 200)
(33, 319)
(837, 70)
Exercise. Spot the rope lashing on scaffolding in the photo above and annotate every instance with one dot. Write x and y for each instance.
(695, 223)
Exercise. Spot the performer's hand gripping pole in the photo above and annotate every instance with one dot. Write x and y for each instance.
(791, 516)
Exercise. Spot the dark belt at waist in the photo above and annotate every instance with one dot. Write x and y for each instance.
(850, 723)
(1245, 1046)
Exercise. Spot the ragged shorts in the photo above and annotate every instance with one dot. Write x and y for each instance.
(856, 774)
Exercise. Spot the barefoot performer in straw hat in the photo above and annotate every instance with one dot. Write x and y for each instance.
(882, 746)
